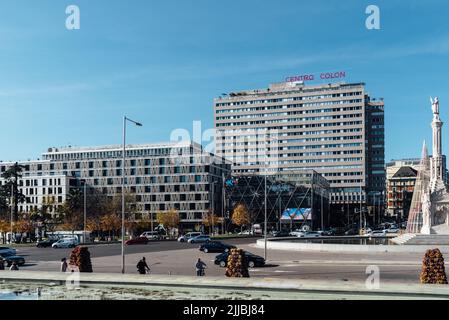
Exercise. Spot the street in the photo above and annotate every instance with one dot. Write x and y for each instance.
(174, 258)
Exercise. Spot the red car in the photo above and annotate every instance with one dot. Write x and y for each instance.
(139, 240)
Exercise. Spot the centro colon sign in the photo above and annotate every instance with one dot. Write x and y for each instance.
(322, 76)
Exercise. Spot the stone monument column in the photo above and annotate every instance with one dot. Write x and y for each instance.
(437, 157)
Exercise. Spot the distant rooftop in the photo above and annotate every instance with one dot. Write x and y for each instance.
(119, 147)
(289, 86)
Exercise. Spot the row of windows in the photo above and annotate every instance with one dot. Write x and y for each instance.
(263, 101)
(311, 125)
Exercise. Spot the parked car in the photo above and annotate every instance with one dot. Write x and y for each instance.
(6, 250)
(297, 233)
(151, 235)
(378, 233)
(312, 234)
(351, 232)
(139, 240)
(65, 243)
(257, 229)
(280, 234)
(216, 246)
(392, 230)
(251, 259)
(326, 233)
(10, 258)
(245, 233)
(199, 239)
(45, 243)
(189, 235)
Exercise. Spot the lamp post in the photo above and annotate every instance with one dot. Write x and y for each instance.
(265, 224)
(12, 211)
(223, 195)
(125, 119)
(85, 212)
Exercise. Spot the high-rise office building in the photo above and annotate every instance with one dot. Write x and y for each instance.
(335, 129)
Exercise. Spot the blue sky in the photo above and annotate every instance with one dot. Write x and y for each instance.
(163, 62)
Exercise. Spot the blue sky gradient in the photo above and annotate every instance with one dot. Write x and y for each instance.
(163, 62)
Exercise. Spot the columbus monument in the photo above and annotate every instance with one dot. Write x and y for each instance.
(429, 211)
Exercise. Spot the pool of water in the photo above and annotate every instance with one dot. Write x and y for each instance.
(46, 291)
(347, 240)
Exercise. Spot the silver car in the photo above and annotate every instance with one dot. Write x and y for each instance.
(199, 239)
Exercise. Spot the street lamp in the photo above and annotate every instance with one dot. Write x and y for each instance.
(12, 212)
(125, 119)
(85, 209)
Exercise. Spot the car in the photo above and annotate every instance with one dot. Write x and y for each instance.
(351, 232)
(45, 243)
(245, 233)
(215, 246)
(7, 250)
(326, 233)
(252, 260)
(10, 258)
(199, 239)
(297, 233)
(65, 243)
(139, 240)
(312, 234)
(280, 234)
(189, 235)
(378, 233)
(151, 235)
(392, 230)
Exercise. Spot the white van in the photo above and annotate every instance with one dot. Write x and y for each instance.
(65, 243)
(151, 235)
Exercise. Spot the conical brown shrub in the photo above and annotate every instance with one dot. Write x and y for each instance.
(236, 266)
(80, 257)
(433, 270)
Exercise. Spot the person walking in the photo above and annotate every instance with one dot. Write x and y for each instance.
(2, 264)
(200, 266)
(142, 266)
(14, 266)
(64, 265)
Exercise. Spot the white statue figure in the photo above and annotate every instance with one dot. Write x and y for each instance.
(426, 213)
(435, 106)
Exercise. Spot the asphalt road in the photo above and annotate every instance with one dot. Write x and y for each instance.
(170, 257)
(106, 250)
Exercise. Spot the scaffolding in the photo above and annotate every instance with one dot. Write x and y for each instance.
(415, 217)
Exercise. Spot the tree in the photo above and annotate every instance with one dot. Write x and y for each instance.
(11, 188)
(240, 216)
(5, 226)
(110, 223)
(211, 220)
(42, 216)
(169, 219)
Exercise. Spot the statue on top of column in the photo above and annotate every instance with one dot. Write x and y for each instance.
(435, 106)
